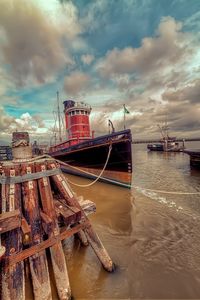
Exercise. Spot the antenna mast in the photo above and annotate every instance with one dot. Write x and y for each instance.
(59, 118)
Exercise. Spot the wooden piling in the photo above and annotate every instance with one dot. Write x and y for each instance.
(83, 238)
(92, 237)
(38, 210)
(57, 254)
(38, 262)
(13, 282)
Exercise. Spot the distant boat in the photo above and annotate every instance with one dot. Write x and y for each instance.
(89, 156)
(167, 143)
(155, 147)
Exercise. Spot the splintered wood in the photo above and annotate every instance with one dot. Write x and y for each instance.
(37, 214)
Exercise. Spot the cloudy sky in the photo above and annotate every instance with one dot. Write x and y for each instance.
(141, 53)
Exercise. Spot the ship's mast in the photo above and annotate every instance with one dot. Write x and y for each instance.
(59, 118)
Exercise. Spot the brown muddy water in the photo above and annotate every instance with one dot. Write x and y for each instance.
(153, 238)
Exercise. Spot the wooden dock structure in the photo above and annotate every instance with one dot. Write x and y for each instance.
(38, 210)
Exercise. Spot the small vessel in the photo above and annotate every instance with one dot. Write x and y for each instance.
(167, 143)
(155, 147)
(107, 157)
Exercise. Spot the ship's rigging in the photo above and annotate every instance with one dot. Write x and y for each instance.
(59, 127)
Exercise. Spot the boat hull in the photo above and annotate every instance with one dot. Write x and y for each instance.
(194, 158)
(155, 147)
(160, 147)
(88, 159)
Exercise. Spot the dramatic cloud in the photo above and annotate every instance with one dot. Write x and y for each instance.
(5, 120)
(158, 80)
(34, 124)
(28, 122)
(31, 43)
(190, 93)
(75, 83)
(169, 46)
(105, 54)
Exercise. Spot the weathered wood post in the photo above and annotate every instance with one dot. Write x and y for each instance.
(57, 254)
(13, 284)
(38, 262)
(92, 237)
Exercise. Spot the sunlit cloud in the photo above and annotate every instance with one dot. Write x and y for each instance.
(104, 54)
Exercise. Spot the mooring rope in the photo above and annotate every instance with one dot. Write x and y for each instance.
(98, 177)
(165, 192)
(138, 188)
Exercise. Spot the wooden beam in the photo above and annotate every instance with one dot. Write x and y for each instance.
(56, 251)
(25, 227)
(9, 221)
(12, 280)
(71, 200)
(69, 215)
(38, 263)
(88, 206)
(47, 222)
(26, 239)
(13, 259)
(2, 251)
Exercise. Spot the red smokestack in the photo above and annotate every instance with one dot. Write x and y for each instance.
(77, 120)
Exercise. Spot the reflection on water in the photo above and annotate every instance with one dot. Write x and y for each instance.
(154, 239)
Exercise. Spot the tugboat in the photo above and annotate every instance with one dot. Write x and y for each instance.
(108, 157)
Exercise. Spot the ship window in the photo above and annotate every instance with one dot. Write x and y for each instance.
(82, 112)
(73, 113)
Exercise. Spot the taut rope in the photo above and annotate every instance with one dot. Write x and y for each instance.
(138, 188)
(98, 177)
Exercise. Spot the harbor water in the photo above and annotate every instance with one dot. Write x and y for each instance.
(153, 238)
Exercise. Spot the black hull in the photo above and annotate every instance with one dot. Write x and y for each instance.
(155, 147)
(194, 158)
(160, 148)
(87, 159)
